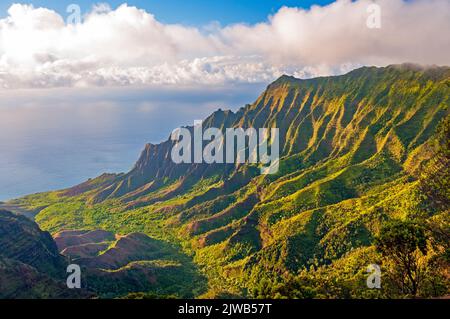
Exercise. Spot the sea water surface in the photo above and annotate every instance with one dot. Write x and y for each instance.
(53, 139)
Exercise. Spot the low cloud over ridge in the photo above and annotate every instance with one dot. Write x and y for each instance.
(129, 46)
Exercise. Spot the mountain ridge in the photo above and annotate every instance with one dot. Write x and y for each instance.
(160, 153)
(351, 147)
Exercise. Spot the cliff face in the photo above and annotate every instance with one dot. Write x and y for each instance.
(22, 240)
(30, 265)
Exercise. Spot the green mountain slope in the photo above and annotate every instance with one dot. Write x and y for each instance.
(22, 240)
(30, 265)
(351, 147)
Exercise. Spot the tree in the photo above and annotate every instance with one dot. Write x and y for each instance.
(438, 234)
(403, 246)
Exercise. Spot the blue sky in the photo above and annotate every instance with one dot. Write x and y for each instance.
(192, 12)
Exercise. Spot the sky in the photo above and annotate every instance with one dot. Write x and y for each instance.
(193, 12)
(115, 44)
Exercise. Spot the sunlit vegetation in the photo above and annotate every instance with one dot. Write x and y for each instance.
(353, 150)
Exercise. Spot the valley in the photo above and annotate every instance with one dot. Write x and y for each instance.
(352, 151)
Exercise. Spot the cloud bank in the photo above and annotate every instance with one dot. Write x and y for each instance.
(129, 46)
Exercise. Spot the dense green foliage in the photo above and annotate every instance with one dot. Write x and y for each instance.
(435, 178)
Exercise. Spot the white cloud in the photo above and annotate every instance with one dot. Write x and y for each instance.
(128, 46)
